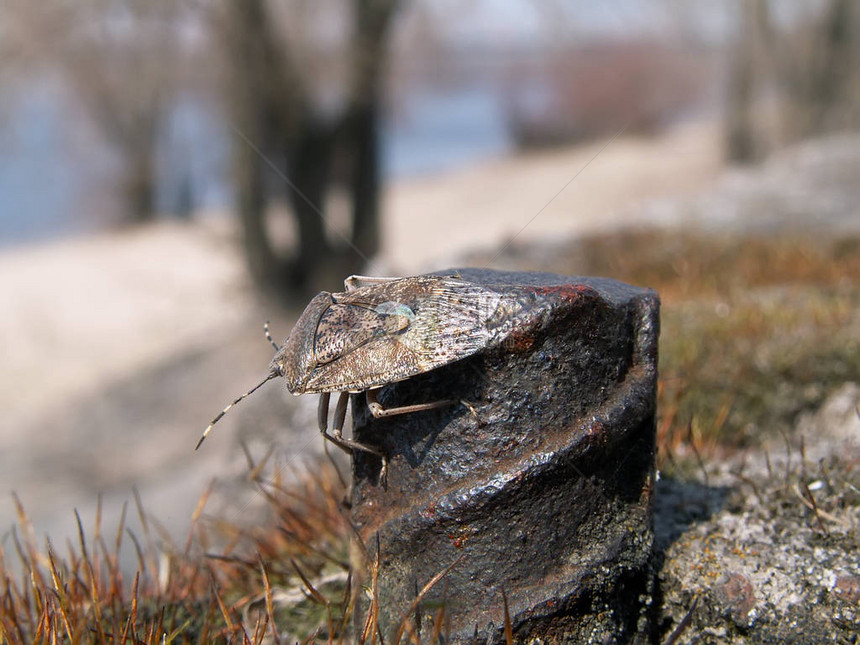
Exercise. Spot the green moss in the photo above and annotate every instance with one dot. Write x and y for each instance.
(749, 363)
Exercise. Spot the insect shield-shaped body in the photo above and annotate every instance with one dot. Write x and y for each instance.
(380, 331)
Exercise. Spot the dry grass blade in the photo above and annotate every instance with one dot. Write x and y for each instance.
(42, 627)
(150, 547)
(310, 548)
(113, 559)
(120, 528)
(270, 605)
(97, 534)
(430, 584)
(231, 627)
(411, 633)
(249, 458)
(132, 616)
(347, 606)
(438, 624)
(810, 503)
(255, 470)
(683, 625)
(699, 461)
(231, 559)
(260, 628)
(15, 632)
(141, 560)
(371, 620)
(310, 640)
(94, 594)
(315, 594)
(245, 638)
(195, 516)
(749, 481)
(32, 560)
(19, 602)
(20, 551)
(62, 596)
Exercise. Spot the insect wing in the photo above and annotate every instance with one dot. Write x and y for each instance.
(384, 333)
(344, 327)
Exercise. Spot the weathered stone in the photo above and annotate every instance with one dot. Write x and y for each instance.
(746, 557)
(538, 486)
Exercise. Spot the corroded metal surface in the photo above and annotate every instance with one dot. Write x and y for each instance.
(538, 484)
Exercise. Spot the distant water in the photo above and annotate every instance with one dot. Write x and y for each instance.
(38, 181)
(444, 131)
(56, 176)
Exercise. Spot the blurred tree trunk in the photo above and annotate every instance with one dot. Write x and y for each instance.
(139, 185)
(251, 206)
(123, 61)
(373, 24)
(309, 170)
(741, 143)
(132, 131)
(812, 66)
(253, 71)
(275, 120)
(820, 83)
(364, 128)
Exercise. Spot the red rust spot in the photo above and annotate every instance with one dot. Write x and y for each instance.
(518, 342)
(459, 541)
(429, 512)
(568, 292)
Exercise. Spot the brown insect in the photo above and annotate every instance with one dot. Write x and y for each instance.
(380, 331)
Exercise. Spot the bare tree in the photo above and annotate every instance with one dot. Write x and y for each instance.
(817, 67)
(121, 59)
(373, 18)
(279, 122)
(810, 62)
(741, 141)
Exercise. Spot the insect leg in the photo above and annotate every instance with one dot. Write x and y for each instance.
(378, 411)
(340, 415)
(336, 435)
(322, 412)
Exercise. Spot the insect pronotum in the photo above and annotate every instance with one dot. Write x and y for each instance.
(380, 331)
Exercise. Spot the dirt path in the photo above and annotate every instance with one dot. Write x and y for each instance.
(428, 222)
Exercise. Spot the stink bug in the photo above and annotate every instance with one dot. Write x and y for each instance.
(380, 331)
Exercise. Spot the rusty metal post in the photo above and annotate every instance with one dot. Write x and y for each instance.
(537, 487)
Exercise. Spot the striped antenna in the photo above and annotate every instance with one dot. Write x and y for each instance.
(272, 374)
(269, 337)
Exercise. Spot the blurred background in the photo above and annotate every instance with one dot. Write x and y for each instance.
(175, 172)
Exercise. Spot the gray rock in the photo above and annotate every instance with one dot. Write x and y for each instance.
(769, 548)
